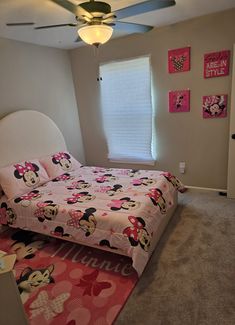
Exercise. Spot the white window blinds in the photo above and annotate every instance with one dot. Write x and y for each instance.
(127, 109)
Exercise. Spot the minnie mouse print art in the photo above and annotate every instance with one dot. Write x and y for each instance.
(26, 244)
(105, 178)
(63, 159)
(116, 189)
(125, 203)
(26, 199)
(80, 197)
(7, 215)
(47, 210)
(64, 178)
(174, 181)
(110, 190)
(156, 196)
(214, 106)
(28, 173)
(59, 232)
(85, 221)
(137, 233)
(79, 185)
(143, 181)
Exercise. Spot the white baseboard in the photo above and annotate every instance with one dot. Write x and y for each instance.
(206, 188)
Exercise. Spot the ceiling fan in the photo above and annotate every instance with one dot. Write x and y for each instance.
(96, 20)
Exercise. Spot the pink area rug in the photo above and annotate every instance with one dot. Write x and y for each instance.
(62, 283)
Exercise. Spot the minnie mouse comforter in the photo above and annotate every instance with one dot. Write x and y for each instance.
(119, 209)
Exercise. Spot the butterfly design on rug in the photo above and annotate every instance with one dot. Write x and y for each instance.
(91, 285)
(48, 307)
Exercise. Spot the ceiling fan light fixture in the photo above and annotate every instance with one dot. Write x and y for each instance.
(95, 34)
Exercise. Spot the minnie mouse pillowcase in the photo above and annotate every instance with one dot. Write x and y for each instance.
(59, 163)
(21, 178)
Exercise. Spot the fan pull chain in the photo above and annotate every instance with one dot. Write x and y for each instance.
(96, 55)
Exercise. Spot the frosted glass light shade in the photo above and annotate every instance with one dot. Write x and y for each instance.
(95, 34)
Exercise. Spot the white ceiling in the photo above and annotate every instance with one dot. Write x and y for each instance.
(45, 12)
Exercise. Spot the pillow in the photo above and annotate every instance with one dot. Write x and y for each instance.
(59, 163)
(20, 178)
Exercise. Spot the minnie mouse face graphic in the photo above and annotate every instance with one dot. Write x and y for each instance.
(65, 177)
(59, 232)
(157, 199)
(133, 172)
(85, 221)
(26, 244)
(116, 189)
(79, 185)
(28, 173)
(80, 198)
(125, 203)
(105, 178)
(137, 233)
(214, 105)
(63, 159)
(174, 181)
(97, 170)
(7, 215)
(47, 210)
(26, 199)
(143, 181)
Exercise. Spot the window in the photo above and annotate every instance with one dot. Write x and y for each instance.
(127, 110)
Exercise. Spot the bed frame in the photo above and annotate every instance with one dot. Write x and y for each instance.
(30, 134)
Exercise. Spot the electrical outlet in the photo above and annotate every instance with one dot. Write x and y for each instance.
(182, 166)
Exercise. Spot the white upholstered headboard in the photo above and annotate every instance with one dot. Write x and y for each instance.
(28, 134)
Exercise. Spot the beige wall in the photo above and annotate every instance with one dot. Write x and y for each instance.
(201, 143)
(40, 78)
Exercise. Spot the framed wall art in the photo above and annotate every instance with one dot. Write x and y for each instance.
(179, 60)
(179, 101)
(214, 106)
(216, 64)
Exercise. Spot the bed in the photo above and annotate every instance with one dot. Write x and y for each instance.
(123, 211)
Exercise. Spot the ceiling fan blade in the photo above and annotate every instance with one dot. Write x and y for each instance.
(132, 28)
(20, 24)
(143, 7)
(52, 26)
(76, 10)
(66, 5)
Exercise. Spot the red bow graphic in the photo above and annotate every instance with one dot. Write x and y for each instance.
(76, 215)
(30, 196)
(58, 156)
(154, 193)
(134, 230)
(75, 198)
(91, 285)
(23, 169)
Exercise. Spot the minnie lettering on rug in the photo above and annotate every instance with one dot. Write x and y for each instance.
(62, 283)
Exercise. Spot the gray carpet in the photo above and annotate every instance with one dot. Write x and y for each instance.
(190, 279)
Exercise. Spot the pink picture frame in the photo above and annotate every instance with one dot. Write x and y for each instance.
(179, 101)
(214, 106)
(216, 64)
(179, 60)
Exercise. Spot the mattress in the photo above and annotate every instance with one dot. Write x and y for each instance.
(120, 210)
